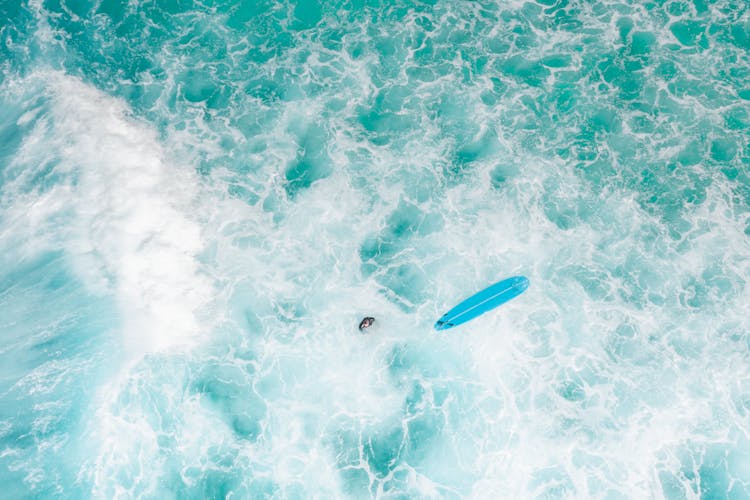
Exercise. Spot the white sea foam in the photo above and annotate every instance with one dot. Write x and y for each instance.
(128, 226)
(124, 213)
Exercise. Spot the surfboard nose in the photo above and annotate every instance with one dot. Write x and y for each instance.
(523, 283)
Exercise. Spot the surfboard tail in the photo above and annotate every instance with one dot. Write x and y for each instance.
(442, 325)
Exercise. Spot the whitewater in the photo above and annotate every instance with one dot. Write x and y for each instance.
(200, 200)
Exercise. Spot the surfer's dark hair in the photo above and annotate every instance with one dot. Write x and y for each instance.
(366, 322)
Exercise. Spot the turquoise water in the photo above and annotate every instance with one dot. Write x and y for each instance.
(200, 200)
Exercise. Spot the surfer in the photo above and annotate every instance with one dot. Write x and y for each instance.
(366, 323)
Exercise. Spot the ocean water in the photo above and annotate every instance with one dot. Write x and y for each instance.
(199, 200)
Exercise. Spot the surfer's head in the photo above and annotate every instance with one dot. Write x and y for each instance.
(366, 323)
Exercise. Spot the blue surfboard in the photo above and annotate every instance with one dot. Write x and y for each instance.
(481, 302)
